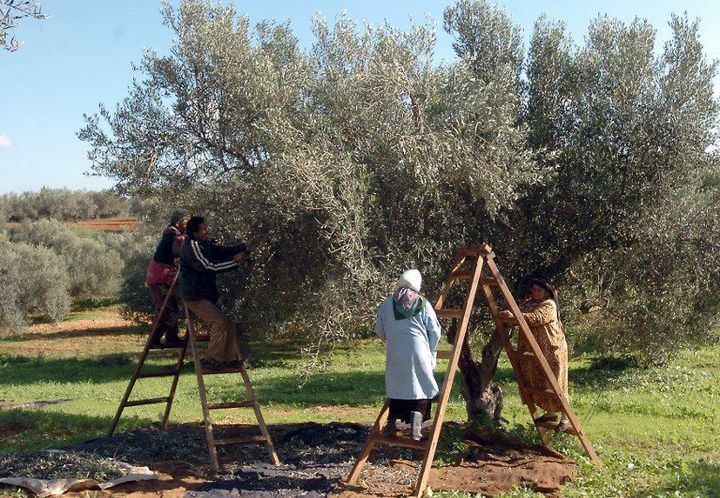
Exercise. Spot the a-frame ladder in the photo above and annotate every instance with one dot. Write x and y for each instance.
(139, 374)
(475, 258)
(250, 402)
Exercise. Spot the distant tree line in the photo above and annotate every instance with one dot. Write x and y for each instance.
(68, 205)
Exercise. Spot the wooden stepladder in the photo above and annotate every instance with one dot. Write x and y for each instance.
(139, 374)
(250, 402)
(476, 266)
(193, 339)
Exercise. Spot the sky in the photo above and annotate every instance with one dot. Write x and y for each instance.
(82, 56)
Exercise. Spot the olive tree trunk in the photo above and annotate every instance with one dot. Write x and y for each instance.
(483, 397)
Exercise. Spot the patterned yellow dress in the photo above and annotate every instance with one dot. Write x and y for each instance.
(543, 321)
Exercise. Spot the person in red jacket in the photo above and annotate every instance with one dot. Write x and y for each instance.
(160, 274)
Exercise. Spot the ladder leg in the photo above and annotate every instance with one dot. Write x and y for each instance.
(426, 466)
(541, 430)
(141, 361)
(369, 444)
(173, 387)
(549, 375)
(258, 415)
(214, 463)
(131, 384)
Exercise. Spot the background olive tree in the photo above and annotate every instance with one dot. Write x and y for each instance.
(11, 11)
(363, 157)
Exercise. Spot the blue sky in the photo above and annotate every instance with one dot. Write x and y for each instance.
(82, 55)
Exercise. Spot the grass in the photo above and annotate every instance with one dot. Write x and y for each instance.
(655, 429)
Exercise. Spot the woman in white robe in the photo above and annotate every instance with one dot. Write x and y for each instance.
(408, 324)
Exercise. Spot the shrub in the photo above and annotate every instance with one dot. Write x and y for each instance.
(34, 280)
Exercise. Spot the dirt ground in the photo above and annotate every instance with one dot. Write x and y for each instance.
(103, 224)
(315, 458)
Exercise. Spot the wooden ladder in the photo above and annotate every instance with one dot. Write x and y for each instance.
(250, 402)
(475, 259)
(139, 374)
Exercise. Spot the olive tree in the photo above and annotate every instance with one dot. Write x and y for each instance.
(362, 157)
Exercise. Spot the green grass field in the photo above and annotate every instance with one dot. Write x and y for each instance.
(657, 430)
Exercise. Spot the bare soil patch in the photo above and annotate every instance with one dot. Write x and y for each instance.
(106, 331)
(104, 224)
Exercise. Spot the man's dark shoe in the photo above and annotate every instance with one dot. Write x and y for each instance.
(210, 364)
(170, 342)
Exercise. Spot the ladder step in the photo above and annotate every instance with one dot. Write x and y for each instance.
(148, 401)
(202, 338)
(488, 281)
(475, 250)
(160, 347)
(259, 438)
(223, 371)
(159, 373)
(553, 426)
(232, 404)
(512, 320)
(404, 442)
(450, 313)
(445, 354)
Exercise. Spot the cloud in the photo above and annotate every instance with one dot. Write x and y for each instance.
(5, 142)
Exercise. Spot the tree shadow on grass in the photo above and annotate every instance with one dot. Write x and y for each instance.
(700, 479)
(23, 370)
(23, 431)
(325, 389)
(79, 333)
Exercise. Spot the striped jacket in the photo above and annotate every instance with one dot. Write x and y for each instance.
(200, 261)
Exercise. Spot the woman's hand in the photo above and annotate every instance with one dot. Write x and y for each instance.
(506, 314)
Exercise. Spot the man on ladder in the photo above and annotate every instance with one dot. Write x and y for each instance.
(200, 261)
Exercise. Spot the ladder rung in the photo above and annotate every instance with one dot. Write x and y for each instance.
(232, 404)
(475, 250)
(553, 426)
(488, 281)
(529, 354)
(445, 354)
(404, 442)
(259, 438)
(461, 275)
(159, 373)
(223, 371)
(450, 313)
(160, 348)
(203, 338)
(512, 320)
(148, 401)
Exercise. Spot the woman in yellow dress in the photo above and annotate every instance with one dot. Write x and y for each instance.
(542, 314)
